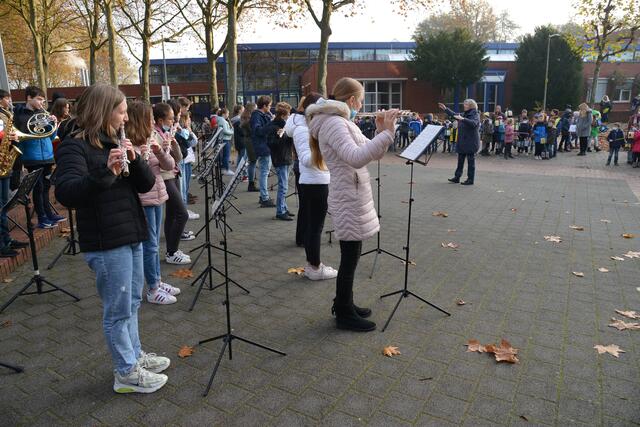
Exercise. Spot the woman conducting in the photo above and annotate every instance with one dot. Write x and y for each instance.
(468, 139)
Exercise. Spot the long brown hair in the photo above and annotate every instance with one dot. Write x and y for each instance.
(344, 89)
(245, 117)
(94, 109)
(139, 127)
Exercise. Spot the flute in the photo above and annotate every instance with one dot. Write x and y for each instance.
(125, 160)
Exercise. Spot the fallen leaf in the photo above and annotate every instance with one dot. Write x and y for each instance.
(606, 221)
(390, 351)
(628, 235)
(603, 270)
(451, 245)
(412, 263)
(500, 191)
(460, 302)
(506, 353)
(612, 349)
(630, 314)
(523, 199)
(7, 280)
(524, 418)
(440, 213)
(183, 273)
(576, 227)
(185, 351)
(617, 258)
(6, 323)
(426, 379)
(474, 345)
(621, 325)
(514, 210)
(451, 230)
(554, 239)
(296, 270)
(632, 254)
(578, 273)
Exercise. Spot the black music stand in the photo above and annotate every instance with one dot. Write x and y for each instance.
(207, 273)
(378, 250)
(15, 368)
(219, 211)
(412, 153)
(70, 247)
(21, 196)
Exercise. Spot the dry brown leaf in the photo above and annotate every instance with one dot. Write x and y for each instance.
(451, 245)
(411, 263)
(628, 235)
(6, 323)
(554, 239)
(617, 258)
(621, 325)
(630, 314)
(460, 302)
(7, 280)
(474, 345)
(451, 230)
(514, 210)
(606, 221)
(296, 270)
(440, 214)
(185, 351)
(390, 351)
(500, 191)
(603, 270)
(612, 349)
(578, 273)
(576, 227)
(524, 418)
(632, 254)
(183, 273)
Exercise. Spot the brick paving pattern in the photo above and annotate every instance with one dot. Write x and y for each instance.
(517, 286)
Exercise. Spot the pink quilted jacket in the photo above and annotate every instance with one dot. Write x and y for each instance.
(158, 194)
(346, 151)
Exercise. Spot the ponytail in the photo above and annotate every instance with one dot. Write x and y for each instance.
(316, 156)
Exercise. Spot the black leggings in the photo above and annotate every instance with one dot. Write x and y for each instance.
(584, 142)
(313, 206)
(176, 216)
(41, 191)
(349, 256)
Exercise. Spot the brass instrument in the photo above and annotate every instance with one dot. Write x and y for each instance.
(8, 152)
(40, 125)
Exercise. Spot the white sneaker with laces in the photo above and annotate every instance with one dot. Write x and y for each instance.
(171, 290)
(179, 251)
(187, 236)
(139, 380)
(323, 272)
(193, 215)
(159, 296)
(178, 258)
(228, 172)
(153, 363)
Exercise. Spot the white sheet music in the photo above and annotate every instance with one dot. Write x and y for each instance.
(421, 143)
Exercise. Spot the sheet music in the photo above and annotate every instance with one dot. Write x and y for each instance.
(421, 143)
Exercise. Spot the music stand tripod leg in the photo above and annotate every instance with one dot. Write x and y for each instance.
(15, 368)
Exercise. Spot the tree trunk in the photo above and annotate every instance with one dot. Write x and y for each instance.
(111, 34)
(144, 69)
(211, 63)
(325, 33)
(232, 54)
(594, 83)
(41, 76)
(93, 66)
(93, 48)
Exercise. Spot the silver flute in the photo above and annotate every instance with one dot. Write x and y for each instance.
(146, 154)
(125, 160)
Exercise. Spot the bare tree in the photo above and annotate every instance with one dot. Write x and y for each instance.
(107, 7)
(478, 17)
(506, 28)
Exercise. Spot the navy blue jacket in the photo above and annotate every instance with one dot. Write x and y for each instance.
(616, 138)
(468, 131)
(259, 128)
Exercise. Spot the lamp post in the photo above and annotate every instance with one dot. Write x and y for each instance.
(164, 66)
(546, 71)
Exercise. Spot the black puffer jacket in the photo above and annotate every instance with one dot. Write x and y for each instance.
(109, 211)
(281, 147)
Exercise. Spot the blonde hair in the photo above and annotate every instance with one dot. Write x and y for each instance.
(583, 109)
(94, 109)
(138, 127)
(471, 102)
(344, 89)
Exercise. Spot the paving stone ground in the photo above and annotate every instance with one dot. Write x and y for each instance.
(517, 286)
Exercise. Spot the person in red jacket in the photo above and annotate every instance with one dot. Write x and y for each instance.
(635, 148)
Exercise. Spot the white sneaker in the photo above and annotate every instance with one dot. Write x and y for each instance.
(323, 272)
(153, 363)
(171, 290)
(179, 251)
(186, 236)
(228, 172)
(193, 215)
(159, 296)
(139, 380)
(177, 258)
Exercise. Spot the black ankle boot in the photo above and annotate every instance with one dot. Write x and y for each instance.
(362, 311)
(252, 187)
(348, 319)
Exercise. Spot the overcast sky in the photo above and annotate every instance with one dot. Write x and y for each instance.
(379, 23)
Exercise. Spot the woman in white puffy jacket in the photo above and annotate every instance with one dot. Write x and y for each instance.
(312, 193)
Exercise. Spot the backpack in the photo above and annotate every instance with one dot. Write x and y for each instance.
(214, 122)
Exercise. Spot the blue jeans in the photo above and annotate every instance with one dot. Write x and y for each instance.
(264, 163)
(283, 186)
(120, 279)
(613, 152)
(251, 171)
(188, 170)
(150, 247)
(5, 238)
(225, 155)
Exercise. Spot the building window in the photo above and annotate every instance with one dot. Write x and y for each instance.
(359, 54)
(381, 95)
(390, 54)
(623, 93)
(601, 89)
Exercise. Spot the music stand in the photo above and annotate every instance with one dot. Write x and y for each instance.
(21, 196)
(412, 153)
(378, 250)
(219, 212)
(70, 247)
(15, 368)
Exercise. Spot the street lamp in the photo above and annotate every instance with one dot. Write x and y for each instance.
(546, 72)
(164, 66)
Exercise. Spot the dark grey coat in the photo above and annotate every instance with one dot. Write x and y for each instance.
(468, 131)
